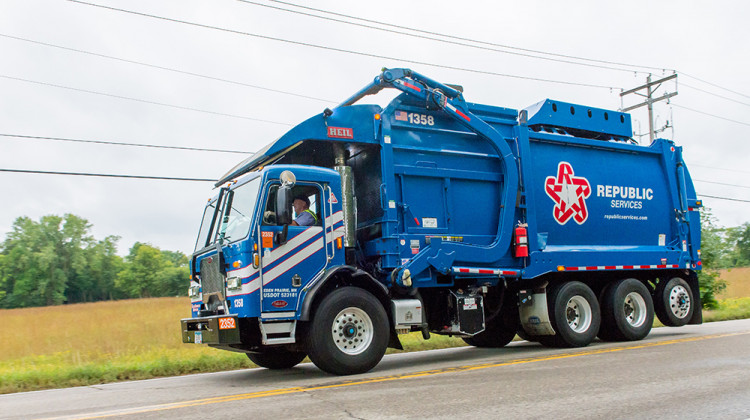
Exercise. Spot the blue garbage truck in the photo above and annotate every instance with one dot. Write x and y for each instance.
(441, 216)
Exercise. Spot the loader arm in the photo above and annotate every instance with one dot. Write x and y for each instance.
(439, 254)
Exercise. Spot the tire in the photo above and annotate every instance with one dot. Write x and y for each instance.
(499, 331)
(673, 302)
(574, 314)
(277, 358)
(349, 332)
(627, 311)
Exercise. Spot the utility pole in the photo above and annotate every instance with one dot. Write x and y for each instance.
(649, 86)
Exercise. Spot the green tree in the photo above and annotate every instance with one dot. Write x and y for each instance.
(713, 253)
(743, 245)
(150, 272)
(40, 258)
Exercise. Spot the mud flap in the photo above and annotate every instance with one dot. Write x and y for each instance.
(692, 281)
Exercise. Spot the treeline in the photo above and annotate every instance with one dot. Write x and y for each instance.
(721, 247)
(56, 260)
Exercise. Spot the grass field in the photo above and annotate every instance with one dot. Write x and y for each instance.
(738, 282)
(62, 346)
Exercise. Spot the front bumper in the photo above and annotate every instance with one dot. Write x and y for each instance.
(217, 329)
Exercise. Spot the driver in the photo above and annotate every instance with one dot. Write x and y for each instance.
(305, 216)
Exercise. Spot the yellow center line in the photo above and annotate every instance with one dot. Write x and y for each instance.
(457, 369)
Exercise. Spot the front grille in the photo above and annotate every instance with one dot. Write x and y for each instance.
(212, 280)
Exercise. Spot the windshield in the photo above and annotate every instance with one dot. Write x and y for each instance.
(233, 224)
(208, 215)
(241, 201)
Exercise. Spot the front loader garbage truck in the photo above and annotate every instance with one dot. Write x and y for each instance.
(438, 215)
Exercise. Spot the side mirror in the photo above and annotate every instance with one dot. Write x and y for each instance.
(284, 205)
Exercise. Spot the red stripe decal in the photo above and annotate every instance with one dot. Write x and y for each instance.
(591, 268)
(571, 268)
(416, 221)
(661, 266)
(486, 272)
(628, 267)
(644, 266)
(464, 270)
(609, 267)
(463, 115)
(412, 86)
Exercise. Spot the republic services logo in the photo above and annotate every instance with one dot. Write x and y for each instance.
(569, 193)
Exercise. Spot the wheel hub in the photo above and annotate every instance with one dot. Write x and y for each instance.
(352, 331)
(679, 302)
(578, 314)
(635, 309)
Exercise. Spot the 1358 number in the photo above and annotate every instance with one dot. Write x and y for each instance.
(421, 119)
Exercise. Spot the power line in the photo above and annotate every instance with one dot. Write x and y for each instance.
(426, 37)
(468, 39)
(721, 169)
(140, 63)
(165, 178)
(722, 183)
(714, 94)
(143, 100)
(125, 144)
(711, 115)
(341, 50)
(724, 198)
(715, 85)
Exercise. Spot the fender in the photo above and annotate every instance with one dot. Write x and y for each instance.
(348, 275)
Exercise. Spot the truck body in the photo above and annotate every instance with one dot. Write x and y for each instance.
(446, 217)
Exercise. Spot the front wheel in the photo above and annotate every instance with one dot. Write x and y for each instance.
(574, 313)
(674, 304)
(349, 332)
(277, 358)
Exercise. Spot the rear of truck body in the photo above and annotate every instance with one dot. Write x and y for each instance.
(442, 216)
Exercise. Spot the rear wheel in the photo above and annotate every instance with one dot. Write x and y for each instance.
(277, 358)
(674, 304)
(349, 333)
(627, 311)
(574, 313)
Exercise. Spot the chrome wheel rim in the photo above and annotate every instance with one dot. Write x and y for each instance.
(578, 314)
(635, 309)
(679, 301)
(352, 331)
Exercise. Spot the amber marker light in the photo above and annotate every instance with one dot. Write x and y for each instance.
(560, 268)
(236, 264)
(377, 116)
(339, 242)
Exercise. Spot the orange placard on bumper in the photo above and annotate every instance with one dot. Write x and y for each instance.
(227, 323)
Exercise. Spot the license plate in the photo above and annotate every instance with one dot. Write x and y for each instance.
(198, 337)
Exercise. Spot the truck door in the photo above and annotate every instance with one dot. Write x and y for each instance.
(285, 268)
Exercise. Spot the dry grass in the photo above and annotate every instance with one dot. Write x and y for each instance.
(59, 346)
(738, 283)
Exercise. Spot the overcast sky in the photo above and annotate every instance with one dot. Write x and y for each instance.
(706, 40)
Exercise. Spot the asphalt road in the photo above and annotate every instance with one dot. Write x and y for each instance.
(690, 372)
